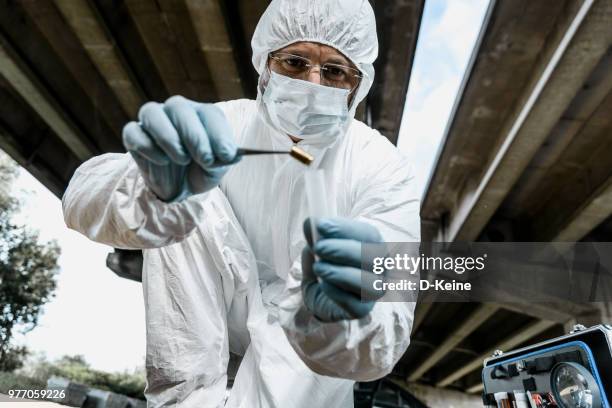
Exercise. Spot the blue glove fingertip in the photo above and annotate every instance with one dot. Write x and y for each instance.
(326, 248)
(321, 269)
(206, 159)
(228, 154)
(320, 247)
(325, 225)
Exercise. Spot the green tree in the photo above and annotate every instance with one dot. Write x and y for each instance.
(27, 272)
(76, 369)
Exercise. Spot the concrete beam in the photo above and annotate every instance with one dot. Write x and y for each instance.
(250, 12)
(592, 213)
(479, 316)
(420, 312)
(166, 30)
(519, 337)
(579, 50)
(602, 314)
(577, 202)
(398, 30)
(540, 306)
(216, 47)
(86, 82)
(568, 147)
(47, 178)
(474, 389)
(90, 30)
(559, 312)
(24, 82)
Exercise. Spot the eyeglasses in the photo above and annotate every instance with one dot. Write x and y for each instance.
(333, 75)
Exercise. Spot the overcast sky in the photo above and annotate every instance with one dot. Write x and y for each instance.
(101, 316)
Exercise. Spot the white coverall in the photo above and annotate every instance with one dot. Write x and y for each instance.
(222, 269)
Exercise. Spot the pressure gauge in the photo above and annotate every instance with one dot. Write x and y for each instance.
(573, 386)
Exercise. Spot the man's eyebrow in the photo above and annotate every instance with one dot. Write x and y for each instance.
(296, 51)
(339, 59)
(334, 59)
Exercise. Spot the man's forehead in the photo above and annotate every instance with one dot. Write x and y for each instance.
(315, 48)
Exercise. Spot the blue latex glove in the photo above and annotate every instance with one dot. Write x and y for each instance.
(181, 147)
(332, 286)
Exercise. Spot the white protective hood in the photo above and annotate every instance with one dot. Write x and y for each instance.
(347, 25)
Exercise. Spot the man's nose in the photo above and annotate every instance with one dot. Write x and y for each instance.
(314, 76)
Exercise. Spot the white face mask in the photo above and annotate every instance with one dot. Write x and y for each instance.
(306, 110)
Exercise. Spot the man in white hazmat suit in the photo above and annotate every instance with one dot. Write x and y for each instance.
(223, 238)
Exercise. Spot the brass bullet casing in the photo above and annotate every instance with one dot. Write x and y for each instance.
(295, 152)
(301, 155)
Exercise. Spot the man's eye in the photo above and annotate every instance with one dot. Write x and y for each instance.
(295, 62)
(335, 72)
